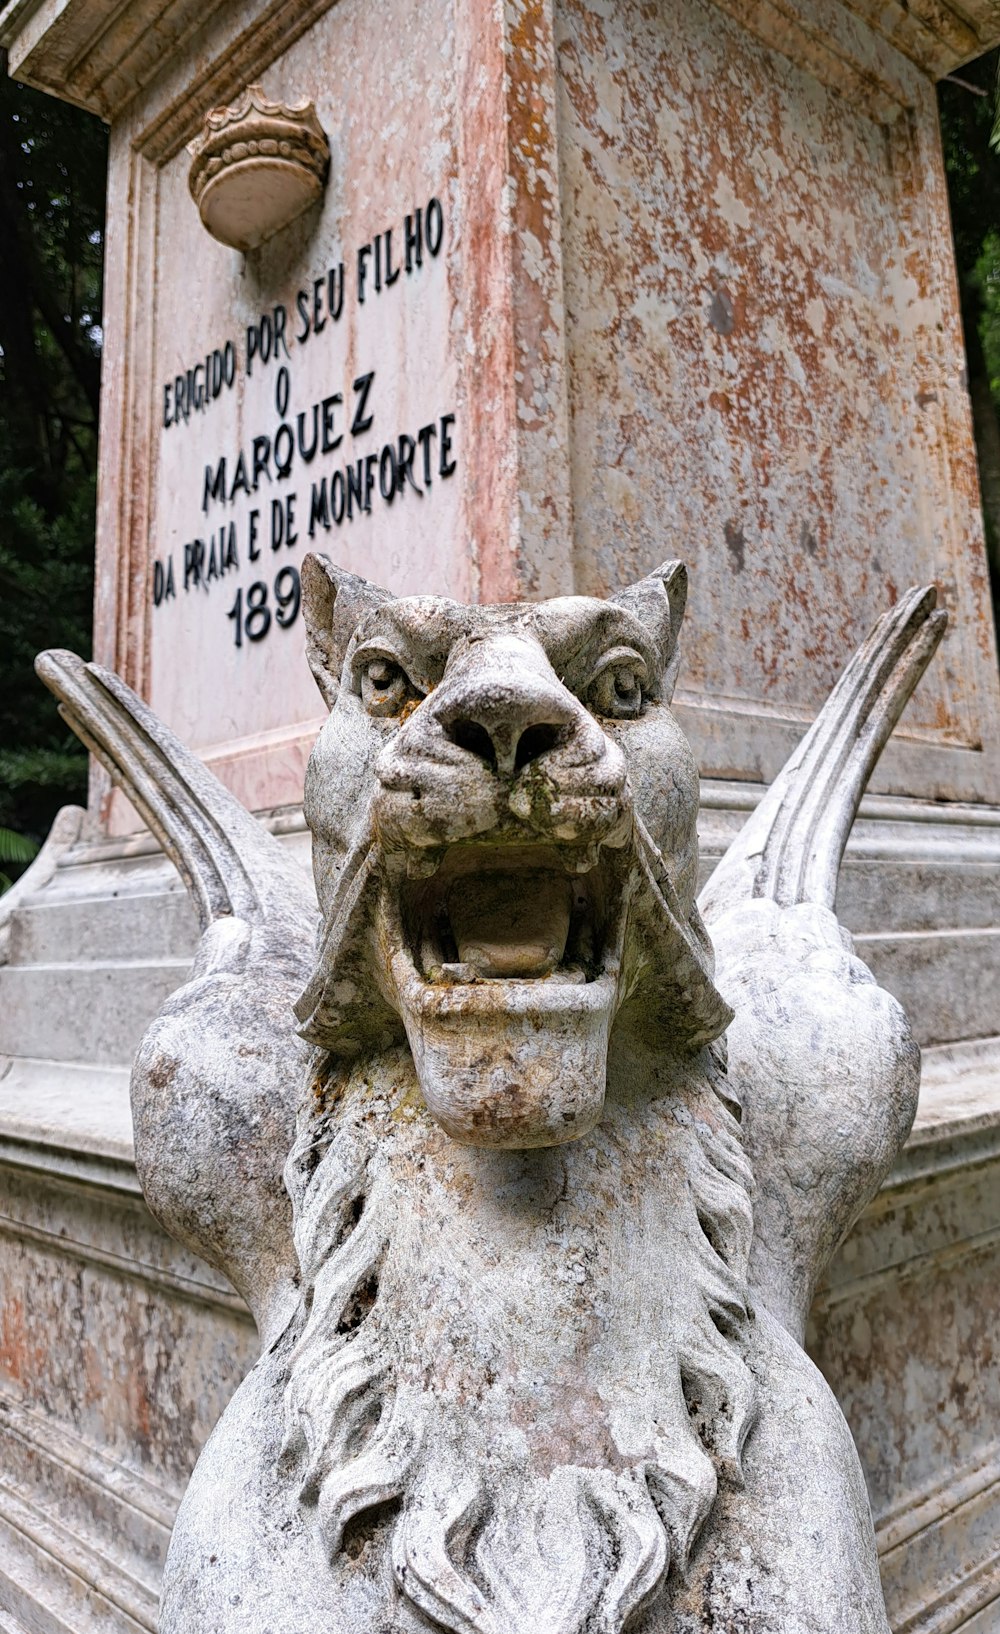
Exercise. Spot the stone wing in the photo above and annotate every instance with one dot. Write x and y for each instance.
(229, 862)
(218, 1076)
(821, 1060)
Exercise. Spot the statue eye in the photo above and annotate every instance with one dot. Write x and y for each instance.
(616, 687)
(385, 686)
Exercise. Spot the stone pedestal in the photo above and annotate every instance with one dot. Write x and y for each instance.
(581, 290)
(584, 287)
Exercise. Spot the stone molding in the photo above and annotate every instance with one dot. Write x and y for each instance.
(75, 52)
(45, 1163)
(936, 1523)
(859, 48)
(87, 1498)
(927, 1245)
(98, 1551)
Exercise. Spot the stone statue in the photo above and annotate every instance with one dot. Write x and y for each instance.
(527, 1198)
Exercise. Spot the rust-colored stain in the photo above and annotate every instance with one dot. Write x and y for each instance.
(764, 355)
(22, 1354)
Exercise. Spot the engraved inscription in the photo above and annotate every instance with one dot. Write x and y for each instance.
(315, 468)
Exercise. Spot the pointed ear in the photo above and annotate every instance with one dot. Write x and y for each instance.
(658, 602)
(333, 604)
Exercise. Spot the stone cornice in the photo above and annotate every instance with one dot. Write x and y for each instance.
(101, 56)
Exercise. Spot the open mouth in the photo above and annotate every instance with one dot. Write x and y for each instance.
(505, 964)
(517, 913)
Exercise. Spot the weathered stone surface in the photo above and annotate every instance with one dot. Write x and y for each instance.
(903, 1327)
(695, 275)
(763, 354)
(118, 1350)
(666, 229)
(523, 1296)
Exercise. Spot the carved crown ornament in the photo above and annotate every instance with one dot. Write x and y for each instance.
(256, 166)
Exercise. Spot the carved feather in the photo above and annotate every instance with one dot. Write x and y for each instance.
(229, 862)
(792, 847)
(821, 1060)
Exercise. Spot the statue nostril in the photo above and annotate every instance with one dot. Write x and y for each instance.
(477, 740)
(473, 737)
(537, 741)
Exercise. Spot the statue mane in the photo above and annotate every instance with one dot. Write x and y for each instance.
(588, 1364)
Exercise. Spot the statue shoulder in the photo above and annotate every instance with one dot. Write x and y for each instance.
(794, 1551)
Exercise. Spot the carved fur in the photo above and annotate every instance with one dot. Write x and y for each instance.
(509, 1515)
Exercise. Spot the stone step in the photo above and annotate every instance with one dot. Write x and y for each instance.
(87, 959)
(52, 1581)
(94, 1013)
(151, 926)
(920, 893)
(910, 866)
(947, 981)
(77, 1110)
(879, 898)
(82, 1489)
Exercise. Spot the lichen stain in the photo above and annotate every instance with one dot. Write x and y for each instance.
(736, 545)
(162, 1071)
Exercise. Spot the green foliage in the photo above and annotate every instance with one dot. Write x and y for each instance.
(14, 848)
(973, 171)
(986, 273)
(970, 133)
(53, 161)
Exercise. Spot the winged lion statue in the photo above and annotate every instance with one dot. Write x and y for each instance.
(525, 1161)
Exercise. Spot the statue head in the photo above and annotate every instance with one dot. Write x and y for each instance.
(503, 811)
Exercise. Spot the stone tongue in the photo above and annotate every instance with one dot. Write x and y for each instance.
(511, 924)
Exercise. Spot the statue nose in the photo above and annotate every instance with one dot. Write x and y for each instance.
(505, 745)
(502, 702)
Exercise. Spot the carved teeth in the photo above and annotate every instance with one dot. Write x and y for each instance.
(620, 835)
(461, 974)
(454, 973)
(582, 860)
(422, 864)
